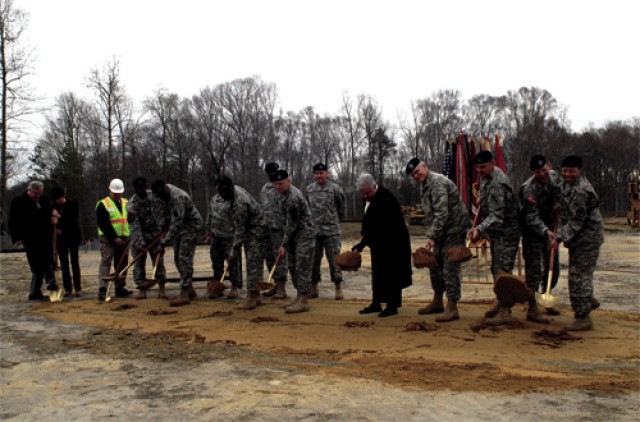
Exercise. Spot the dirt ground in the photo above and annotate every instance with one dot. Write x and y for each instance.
(82, 359)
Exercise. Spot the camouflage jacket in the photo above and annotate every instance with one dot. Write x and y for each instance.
(538, 203)
(299, 223)
(499, 207)
(219, 221)
(327, 207)
(248, 220)
(183, 214)
(149, 219)
(272, 210)
(580, 215)
(445, 213)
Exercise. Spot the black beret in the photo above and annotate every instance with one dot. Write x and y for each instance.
(271, 167)
(412, 164)
(572, 161)
(537, 162)
(483, 157)
(280, 175)
(224, 184)
(320, 167)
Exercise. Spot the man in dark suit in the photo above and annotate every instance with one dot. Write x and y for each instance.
(68, 240)
(31, 225)
(385, 233)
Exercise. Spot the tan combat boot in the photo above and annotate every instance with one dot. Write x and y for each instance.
(182, 299)
(233, 293)
(281, 291)
(451, 314)
(315, 291)
(192, 292)
(581, 324)
(251, 301)
(503, 317)
(142, 294)
(300, 305)
(161, 292)
(339, 293)
(435, 307)
(534, 314)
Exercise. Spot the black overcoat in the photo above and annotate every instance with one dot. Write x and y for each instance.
(30, 223)
(385, 233)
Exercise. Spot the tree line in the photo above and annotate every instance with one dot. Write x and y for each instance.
(234, 128)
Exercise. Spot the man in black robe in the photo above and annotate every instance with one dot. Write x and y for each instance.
(385, 233)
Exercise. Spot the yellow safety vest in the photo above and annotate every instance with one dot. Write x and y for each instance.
(118, 220)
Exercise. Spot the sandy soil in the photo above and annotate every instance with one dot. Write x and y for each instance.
(330, 363)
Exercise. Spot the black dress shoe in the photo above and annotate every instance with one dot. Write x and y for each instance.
(122, 292)
(388, 311)
(374, 307)
(37, 296)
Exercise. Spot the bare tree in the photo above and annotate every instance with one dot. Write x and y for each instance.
(16, 98)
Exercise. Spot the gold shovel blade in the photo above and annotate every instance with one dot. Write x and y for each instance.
(56, 296)
(547, 300)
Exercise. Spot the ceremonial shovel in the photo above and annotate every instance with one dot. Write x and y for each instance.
(269, 284)
(546, 299)
(58, 295)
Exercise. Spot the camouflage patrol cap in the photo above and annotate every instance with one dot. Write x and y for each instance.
(412, 164)
(280, 175)
(483, 157)
(537, 162)
(572, 161)
(320, 167)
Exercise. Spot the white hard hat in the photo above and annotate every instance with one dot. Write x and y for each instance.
(116, 186)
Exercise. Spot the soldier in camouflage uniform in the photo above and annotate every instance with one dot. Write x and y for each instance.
(274, 217)
(147, 221)
(298, 241)
(499, 220)
(219, 225)
(447, 222)
(184, 224)
(248, 230)
(327, 202)
(582, 232)
(539, 196)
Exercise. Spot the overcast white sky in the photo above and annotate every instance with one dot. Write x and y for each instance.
(585, 53)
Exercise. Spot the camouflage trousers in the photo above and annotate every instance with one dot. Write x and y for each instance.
(139, 268)
(219, 251)
(110, 254)
(582, 264)
(504, 250)
(253, 251)
(300, 256)
(536, 253)
(184, 249)
(272, 241)
(330, 245)
(446, 277)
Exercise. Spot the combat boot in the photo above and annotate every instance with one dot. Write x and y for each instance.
(339, 293)
(435, 307)
(581, 324)
(281, 291)
(595, 303)
(233, 293)
(534, 314)
(451, 313)
(493, 311)
(142, 294)
(161, 293)
(315, 291)
(300, 305)
(182, 299)
(192, 292)
(503, 317)
(251, 301)
(271, 292)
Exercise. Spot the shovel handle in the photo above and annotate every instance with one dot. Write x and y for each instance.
(273, 270)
